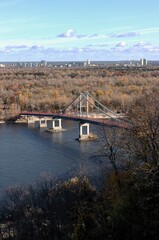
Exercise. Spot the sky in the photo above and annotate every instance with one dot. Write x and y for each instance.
(70, 30)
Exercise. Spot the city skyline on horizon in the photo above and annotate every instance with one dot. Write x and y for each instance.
(77, 31)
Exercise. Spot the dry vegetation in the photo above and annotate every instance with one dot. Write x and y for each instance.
(127, 206)
(50, 89)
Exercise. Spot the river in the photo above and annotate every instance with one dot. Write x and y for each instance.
(27, 152)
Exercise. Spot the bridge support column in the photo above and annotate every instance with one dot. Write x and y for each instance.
(56, 125)
(31, 120)
(42, 122)
(84, 132)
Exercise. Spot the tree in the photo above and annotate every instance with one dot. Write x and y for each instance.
(114, 148)
(144, 134)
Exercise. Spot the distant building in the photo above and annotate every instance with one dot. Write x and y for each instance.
(143, 62)
(88, 62)
(2, 65)
(43, 63)
(84, 64)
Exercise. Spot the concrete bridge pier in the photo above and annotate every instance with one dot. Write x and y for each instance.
(32, 119)
(42, 123)
(56, 125)
(84, 132)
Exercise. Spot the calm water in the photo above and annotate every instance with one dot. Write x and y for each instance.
(27, 152)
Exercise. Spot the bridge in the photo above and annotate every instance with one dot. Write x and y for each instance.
(84, 109)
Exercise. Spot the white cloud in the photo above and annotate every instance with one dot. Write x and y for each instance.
(68, 34)
(143, 46)
(36, 47)
(68, 49)
(14, 47)
(72, 34)
(98, 45)
(126, 34)
(121, 44)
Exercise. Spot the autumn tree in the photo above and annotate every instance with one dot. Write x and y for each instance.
(144, 134)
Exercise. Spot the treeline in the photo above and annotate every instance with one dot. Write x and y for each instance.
(125, 207)
(50, 89)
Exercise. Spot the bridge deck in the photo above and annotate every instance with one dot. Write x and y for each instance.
(83, 119)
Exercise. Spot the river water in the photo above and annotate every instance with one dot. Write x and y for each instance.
(27, 152)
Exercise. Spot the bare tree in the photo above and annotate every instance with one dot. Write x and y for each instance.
(145, 134)
(114, 147)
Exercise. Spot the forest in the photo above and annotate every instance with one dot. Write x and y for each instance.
(51, 89)
(126, 205)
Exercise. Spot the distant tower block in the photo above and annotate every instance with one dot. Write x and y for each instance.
(88, 62)
(43, 63)
(143, 62)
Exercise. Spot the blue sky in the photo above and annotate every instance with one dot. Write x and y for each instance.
(69, 30)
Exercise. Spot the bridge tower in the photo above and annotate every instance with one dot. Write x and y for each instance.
(83, 103)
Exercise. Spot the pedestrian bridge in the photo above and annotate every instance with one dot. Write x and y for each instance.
(84, 109)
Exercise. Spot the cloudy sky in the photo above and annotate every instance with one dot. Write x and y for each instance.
(70, 30)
